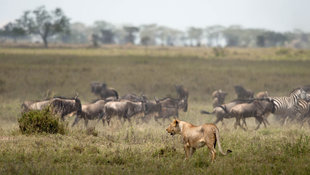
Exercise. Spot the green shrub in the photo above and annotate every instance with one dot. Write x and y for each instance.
(283, 51)
(40, 122)
(218, 51)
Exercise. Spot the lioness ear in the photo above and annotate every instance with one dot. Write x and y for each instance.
(176, 122)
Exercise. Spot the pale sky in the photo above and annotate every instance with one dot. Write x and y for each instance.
(278, 15)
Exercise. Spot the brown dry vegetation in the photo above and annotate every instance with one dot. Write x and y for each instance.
(28, 74)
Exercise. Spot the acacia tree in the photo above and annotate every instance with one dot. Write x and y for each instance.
(12, 30)
(43, 23)
(130, 36)
(195, 34)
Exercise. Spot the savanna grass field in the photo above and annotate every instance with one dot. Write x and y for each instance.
(146, 148)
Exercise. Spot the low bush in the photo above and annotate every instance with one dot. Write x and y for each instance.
(43, 121)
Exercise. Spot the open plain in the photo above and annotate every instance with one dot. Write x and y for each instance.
(146, 148)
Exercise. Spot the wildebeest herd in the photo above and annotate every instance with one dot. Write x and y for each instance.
(295, 107)
(110, 105)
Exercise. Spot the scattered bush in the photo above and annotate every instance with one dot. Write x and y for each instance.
(92, 131)
(40, 122)
(167, 152)
(2, 84)
(218, 51)
(283, 51)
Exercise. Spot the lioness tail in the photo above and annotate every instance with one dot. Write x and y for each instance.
(217, 134)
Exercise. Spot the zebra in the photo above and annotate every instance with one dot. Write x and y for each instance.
(303, 109)
(285, 107)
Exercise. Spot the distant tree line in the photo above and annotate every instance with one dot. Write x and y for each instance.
(43, 26)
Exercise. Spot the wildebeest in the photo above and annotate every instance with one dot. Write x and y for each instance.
(256, 108)
(218, 98)
(243, 93)
(134, 98)
(183, 94)
(90, 112)
(124, 109)
(223, 111)
(263, 94)
(103, 91)
(150, 107)
(34, 105)
(59, 105)
(165, 108)
(64, 106)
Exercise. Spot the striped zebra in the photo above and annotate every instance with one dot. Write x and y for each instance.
(285, 107)
(303, 109)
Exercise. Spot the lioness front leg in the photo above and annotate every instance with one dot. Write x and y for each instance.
(192, 151)
(187, 150)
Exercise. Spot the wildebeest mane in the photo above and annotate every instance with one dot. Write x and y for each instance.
(238, 101)
(65, 98)
(242, 92)
(165, 98)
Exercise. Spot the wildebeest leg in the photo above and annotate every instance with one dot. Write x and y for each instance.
(129, 120)
(123, 119)
(260, 119)
(108, 119)
(76, 120)
(156, 119)
(164, 119)
(85, 122)
(218, 119)
(62, 117)
(244, 123)
(103, 121)
(238, 122)
(223, 123)
(145, 119)
(265, 119)
(265, 122)
(260, 122)
(101, 115)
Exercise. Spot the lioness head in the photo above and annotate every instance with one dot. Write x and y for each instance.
(174, 127)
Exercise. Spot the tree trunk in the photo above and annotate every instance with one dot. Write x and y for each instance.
(45, 42)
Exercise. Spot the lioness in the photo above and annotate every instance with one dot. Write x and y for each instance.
(197, 136)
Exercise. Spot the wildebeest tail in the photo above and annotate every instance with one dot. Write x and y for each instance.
(206, 112)
(116, 94)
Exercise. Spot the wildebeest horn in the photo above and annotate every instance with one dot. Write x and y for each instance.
(76, 94)
(155, 99)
